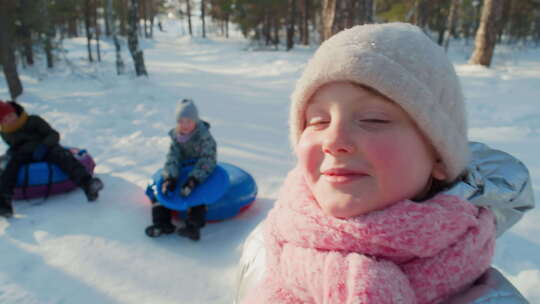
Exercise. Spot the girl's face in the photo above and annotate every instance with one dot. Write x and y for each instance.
(186, 125)
(361, 152)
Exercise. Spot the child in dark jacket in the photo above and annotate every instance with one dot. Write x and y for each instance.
(190, 140)
(31, 139)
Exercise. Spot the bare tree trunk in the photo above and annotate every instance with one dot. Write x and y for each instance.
(300, 19)
(72, 27)
(123, 17)
(188, 12)
(152, 15)
(275, 26)
(25, 35)
(467, 23)
(148, 18)
(203, 12)
(506, 11)
(351, 16)
(291, 23)
(27, 46)
(451, 22)
(227, 16)
(368, 7)
(328, 18)
(88, 30)
(486, 36)
(107, 10)
(48, 50)
(266, 30)
(49, 36)
(152, 27)
(536, 33)
(305, 22)
(112, 23)
(7, 53)
(144, 17)
(133, 39)
(441, 25)
(97, 31)
(340, 16)
(421, 12)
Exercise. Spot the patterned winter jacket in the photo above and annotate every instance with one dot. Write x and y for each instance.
(28, 132)
(200, 147)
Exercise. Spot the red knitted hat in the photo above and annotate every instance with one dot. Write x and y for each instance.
(5, 109)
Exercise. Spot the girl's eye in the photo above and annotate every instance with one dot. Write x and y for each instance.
(375, 120)
(316, 122)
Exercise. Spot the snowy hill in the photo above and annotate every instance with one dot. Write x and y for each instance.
(65, 250)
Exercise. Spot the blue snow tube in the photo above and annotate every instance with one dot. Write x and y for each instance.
(41, 173)
(228, 191)
(40, 179)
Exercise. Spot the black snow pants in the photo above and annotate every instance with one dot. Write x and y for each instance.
(57, 155)
(161, 216)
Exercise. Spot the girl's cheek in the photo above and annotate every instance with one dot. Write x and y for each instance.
(383, 151)
(309, 154)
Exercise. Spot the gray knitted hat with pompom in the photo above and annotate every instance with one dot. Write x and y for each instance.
(186, 109)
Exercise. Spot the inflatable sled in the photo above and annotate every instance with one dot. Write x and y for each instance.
(228, 191)
(41, 179)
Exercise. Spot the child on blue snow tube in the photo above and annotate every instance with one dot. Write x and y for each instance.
(190, 139)
(31, 139)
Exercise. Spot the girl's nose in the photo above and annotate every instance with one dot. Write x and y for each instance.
(338, 140)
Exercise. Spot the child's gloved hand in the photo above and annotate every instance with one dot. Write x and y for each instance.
(40, 152)
(187, 188)
(168, 185)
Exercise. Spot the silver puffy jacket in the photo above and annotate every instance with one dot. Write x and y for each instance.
(495, 180)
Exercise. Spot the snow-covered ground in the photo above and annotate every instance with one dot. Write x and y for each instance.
(65, 250)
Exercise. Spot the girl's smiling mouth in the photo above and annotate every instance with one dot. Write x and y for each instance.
(342, 175)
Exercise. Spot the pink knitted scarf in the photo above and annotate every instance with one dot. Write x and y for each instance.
(407, 253)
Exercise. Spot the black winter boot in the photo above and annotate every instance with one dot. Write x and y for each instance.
(190, 231)
(162, 221)
(157, 230)
(197, 216)
(6, 208)
(92, 188)
(196, 219)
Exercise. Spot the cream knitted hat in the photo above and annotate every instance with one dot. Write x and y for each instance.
(401, 62)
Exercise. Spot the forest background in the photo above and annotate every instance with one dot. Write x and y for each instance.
(28, 27)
